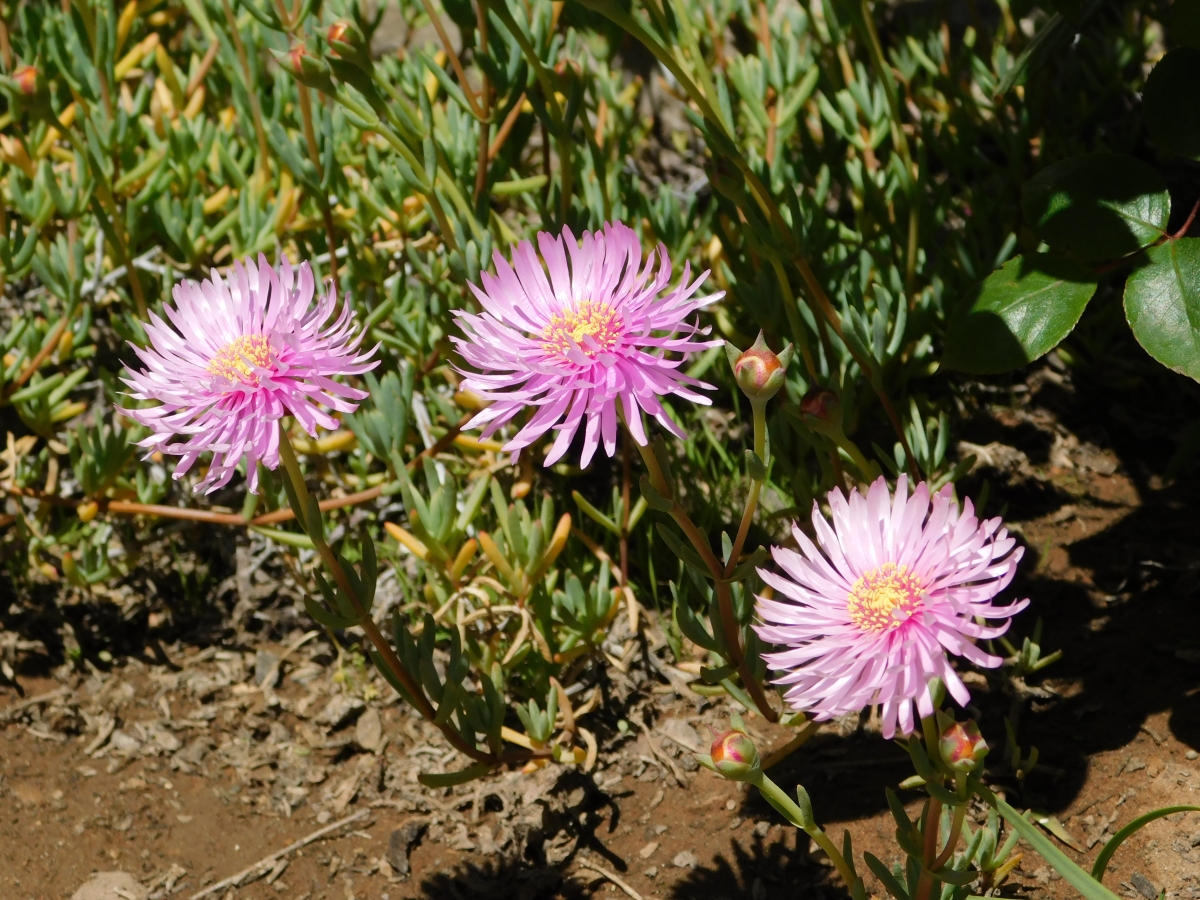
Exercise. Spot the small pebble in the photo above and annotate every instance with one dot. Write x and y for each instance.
(730, 805)
(685, 859)
(651, 872)
(1191, 754)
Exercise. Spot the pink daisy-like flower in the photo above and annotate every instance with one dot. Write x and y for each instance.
(868, 616)
(596, 332)
(244, 353)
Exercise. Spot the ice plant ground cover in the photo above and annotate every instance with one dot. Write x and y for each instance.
(507, 203)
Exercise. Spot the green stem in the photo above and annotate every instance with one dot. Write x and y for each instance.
(760, 449)
(790, 811)
(933, 819)
(729, 623)
(291, 465)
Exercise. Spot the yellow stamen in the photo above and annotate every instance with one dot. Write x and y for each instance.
(237, 360)
(586, 319)
(884, 598)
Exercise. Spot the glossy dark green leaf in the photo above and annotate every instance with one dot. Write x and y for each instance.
(1162, 304)
(1171, 103)
(1097, 206)
(1020, 312)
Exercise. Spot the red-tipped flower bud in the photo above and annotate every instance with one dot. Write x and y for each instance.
(337, 32)
(28, 80)
(818, 403)
(760, 372)
(735, 756)
(307, 69)
(962, 746)
(346, 41)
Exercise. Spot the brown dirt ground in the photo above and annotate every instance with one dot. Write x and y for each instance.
(204, 772)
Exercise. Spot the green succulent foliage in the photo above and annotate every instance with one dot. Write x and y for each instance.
(539, 723)
(817, 153)
(585, 612)
(382, 427)
(436, 517)
(98, 457)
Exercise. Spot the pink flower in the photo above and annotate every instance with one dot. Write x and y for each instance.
(241, 356)
(596, 332)
(868, 615)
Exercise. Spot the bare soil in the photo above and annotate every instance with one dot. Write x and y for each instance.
(191, 760)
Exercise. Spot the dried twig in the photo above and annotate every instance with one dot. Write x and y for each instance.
(268, 861)
(17, 708)
(611, 877)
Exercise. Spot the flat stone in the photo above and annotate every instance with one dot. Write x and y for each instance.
(1144, 886)
(111, 886)
(368, 730)
(263, 661)
(339, 710)
(682, 734)
(685, 859)
(401, 842)
(648, 851)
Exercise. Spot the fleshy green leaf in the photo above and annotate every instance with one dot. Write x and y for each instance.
(1019, 313)
(1063, 864)
(1121, 836)
(1097, 206)
(1162, 304)
(449, 779)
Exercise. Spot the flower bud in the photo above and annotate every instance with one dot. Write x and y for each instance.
(760, 373)
(309, 70)
(735, 756)
(346, 41)
(819, 403)
(27, 80)
(962, 746)
(337, 32)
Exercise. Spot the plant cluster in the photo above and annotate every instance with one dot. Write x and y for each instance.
(496, 226)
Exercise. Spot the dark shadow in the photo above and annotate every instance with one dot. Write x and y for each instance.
(776, 867)
(511, 879)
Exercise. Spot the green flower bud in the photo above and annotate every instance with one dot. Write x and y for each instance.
(760, 373)
(962, 746)
(347, 41)
(735, 756)
(309, 70)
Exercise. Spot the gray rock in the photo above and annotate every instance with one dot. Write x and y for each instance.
(263, 661)
(368, 731)
(1144, 886)
(685, 859)
(339, 710)
(401, 843)
(105, 886)
(124, 743)
(194, 753)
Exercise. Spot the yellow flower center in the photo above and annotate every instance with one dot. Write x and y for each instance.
(237, 359)
(586, 319)
(884, 598)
